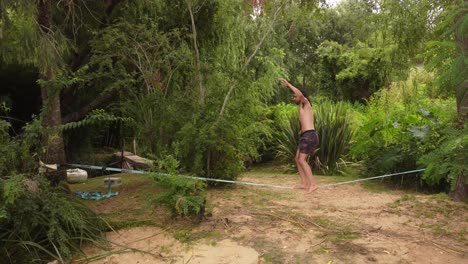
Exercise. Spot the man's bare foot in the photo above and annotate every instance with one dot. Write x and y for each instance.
(312, 188)
(301, 186)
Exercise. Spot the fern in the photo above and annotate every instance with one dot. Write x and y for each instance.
(97, 116)
(183, 197)
(448, 161)
(445, 54)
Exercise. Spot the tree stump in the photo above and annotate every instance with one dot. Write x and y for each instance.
(461, 190)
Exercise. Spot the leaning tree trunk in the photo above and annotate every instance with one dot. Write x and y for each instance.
(52, 139)
(460, 192)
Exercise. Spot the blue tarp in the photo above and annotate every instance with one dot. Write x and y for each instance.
(95, 195)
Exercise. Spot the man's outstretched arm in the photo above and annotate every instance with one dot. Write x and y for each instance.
(296, 91)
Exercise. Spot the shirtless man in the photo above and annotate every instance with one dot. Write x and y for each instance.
(308, 142)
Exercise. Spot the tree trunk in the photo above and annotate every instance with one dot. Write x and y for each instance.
(100, 101)
(197, 56)
(247, 62)
(461, 42)
(460, 193)
(52, 139)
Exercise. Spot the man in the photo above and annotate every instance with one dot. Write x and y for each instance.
(308, 142)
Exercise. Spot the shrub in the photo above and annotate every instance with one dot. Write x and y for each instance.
(399, 125)
(286, 135)
(182, 196)
(9, 150)
(39, 223)
(214, 147)
(16, 154)
(448, 161)
(333, 124)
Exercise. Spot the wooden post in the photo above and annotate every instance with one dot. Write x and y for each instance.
(122, 153)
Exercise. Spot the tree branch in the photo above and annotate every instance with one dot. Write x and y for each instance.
(80, 114)
(197, 53)
(257, 47)
(81, 57)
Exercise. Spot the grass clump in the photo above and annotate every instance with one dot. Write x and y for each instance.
(39, 223)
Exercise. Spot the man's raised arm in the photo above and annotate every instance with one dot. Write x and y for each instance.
(296, 91)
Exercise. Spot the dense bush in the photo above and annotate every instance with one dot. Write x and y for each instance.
(400, 124)
(352, 73)
(448, 161)
(9, 150)
(39, 223)
(17, 154)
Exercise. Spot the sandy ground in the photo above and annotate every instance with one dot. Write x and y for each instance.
(343, 224)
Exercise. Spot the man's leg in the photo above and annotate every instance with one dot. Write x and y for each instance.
(304, 184)
(311, 184)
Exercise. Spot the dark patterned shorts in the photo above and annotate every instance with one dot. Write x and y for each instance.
(308, 142)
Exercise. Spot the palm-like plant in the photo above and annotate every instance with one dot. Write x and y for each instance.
(335, 131)
(333, 126)
(286, 135)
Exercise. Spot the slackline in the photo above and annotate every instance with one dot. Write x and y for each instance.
(236, 182)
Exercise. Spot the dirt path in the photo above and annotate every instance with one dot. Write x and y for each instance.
(343, 224)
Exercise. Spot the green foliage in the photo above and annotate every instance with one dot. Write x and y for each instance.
(24, 42)
(177, 109)
(211, 150)
(353, 73)
(184, 197)
(446, 53)
(203, 96)
(39, 223)
(18, 35)
(287, 127)
(335, 129)
(448, 161)
(97, 116)
(399, 125)
(9, 150)
(17, 153)
(333, 126)
(356, 48)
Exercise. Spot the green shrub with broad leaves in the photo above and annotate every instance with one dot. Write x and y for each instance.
(401, 124)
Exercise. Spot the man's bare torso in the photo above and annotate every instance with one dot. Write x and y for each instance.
(306, 116)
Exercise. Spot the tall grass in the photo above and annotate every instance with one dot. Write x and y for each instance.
(333, 125)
